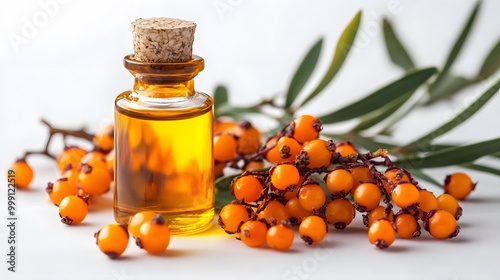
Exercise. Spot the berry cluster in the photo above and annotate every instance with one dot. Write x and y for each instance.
(313, 183)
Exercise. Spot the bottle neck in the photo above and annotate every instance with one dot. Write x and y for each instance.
(164, 80)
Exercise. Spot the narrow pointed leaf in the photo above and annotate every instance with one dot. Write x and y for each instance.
(222, 198)
(220, 97)
(456, 48)
(452, 156)
(395, 48)
(380, 97)
(421, 175)
(482, 168)
(491, 64)
(459, 119)
(450, 85)
(303, 73)
(342, 49)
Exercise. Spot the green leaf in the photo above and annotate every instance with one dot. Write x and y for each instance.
(220, 97)
(491, 64)
(396, 50)
(380, 97)
(373, 118)
(344, 44)
(450, 84)
(222, 198)
(456, 49)
(421, 175)
(303, 73)
(452, 156)
(481, 168)
(223, 183)
(459, 119)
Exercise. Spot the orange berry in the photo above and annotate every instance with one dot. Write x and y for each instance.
(406, 226)
(60, 189)
(219, 169)
(280, 237)
(253, 165)
(94, 159)
(427, 201)
(376, 214)
(450, 204)
(287, 149)
(272, 155)
(71, 175)
(93, 180)
(459, 185)
(311, 196)
(284, 176)
(313, 229)
(319, 153)
(253, 233)
(288, 195)
(225, 147)
(367, 196)
(295, 211)
(381, 233)
(112, 240)
(405, 195)
(70, 157)
(73, 209)
(306, 128)
(137, 220)
(154, 236)
(104, 138)
(222, 125)
(23, 174)
(273, 210)
(441, 224)
(395, 175)
(248, 138)
(246, 188)
(232, 216)
(339, 182)
(345, 149)
(360, 174)
(340, 213)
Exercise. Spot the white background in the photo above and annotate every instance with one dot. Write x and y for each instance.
(68, 69)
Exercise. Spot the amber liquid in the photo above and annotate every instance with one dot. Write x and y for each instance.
(164, 160)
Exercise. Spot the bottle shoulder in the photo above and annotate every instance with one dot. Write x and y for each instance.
(145, 107)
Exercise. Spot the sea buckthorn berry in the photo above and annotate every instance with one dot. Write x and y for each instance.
(288, 195)
(137, 220)
(360, 174)
(246, 188)
(313, 229)
(405, 195)
(23, 173)
(253, 233)
(381, 233)
(154, 236)
(340, 213)
(219, 169)
(280, 237)
(339, 182)
(248, 138)
(345, 149)
(284, 176)
(273, 210)
(232, 216)
(73, 209)
(222, 125)
(366, 197)
(306, 128)
(318, 153)
(288, 148)
(104, 138)
(296, 213)
(396, 175)
(60, 189)
(112, 240)
(450, 204)
(406, 226)
(71, 156)
(253, 165)
(427, 201)
(93, 180)
(72, 175)
(225, 147)
(459, 185)
(94, 159)
(378, 213)
(272, 155)
(312, 196)
(441, 224)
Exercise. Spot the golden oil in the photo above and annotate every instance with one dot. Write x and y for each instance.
(163, 146)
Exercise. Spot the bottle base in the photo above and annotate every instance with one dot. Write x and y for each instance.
(180, 223)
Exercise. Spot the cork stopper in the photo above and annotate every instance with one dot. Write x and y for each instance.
(163, 39)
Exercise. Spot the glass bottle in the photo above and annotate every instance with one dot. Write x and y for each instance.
(163, 146)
